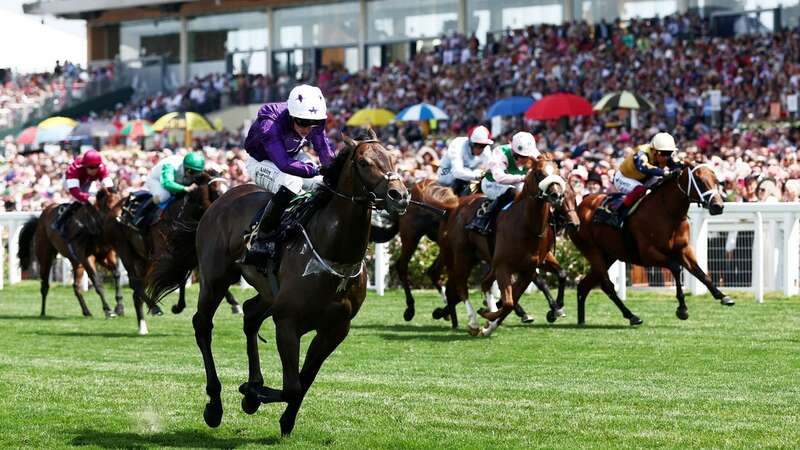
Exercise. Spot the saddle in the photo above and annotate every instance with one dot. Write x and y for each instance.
(139, 211)
(609, 210)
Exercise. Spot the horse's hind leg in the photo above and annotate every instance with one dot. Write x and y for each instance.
(77, 275)
(97, 282)
(209, 300)
(178, 308)
(585, 286)
(409, 245)
(44, 256)
(608, 288)
(675, 269)
(235, 308)
(541, 284)
(111, 264)
(689, 261)
(138, 304)
(323, 344)
(256, 310)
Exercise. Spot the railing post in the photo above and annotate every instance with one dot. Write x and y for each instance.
(381, 261)
(14, 273)
(791, 254)
(618, 275)
(2, 258)
(699, 241)
(758, 259)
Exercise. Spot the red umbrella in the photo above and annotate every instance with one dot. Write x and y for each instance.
(559, 105)
(27, 137)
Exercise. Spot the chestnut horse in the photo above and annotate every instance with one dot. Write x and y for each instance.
(320, 284)
(522, 243)
(87, 244)
(655, 235)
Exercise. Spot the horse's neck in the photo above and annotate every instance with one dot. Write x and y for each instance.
(535, 211)
(341, 229)
(673, 206)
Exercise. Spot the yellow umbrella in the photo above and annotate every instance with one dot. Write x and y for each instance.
(56, 121)
(371, 116)
(183, 121)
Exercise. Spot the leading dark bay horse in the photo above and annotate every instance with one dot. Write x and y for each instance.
(169, 243)
(321, 282)
(416, 223)
(86, 244)
(522, 244)
(656, 235)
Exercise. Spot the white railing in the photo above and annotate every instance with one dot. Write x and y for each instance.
(761, 251)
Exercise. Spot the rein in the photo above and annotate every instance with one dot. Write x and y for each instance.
(692, 183)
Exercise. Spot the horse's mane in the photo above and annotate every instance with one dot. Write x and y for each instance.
(333, 171)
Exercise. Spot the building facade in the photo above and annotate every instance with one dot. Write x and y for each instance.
(197, 37)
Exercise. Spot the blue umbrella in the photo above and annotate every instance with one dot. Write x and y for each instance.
(53, 134)
(512, 106)
(422, 111)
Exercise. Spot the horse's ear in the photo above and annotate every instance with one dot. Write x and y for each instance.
(347, 140)
(372, 134)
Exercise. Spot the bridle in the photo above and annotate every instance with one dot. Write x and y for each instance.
(371, 199)
(692, 186)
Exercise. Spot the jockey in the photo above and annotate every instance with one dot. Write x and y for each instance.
(277, 163)
(80, 175)
(508, 166)
(643, 168)
(171, 176)
(465, 160)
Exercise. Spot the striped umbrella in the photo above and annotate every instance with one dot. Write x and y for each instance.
(137, 128)
(57, 121)
(623, 100)
(27, 137)
(53, 130)
(92, 128)
(421, 111)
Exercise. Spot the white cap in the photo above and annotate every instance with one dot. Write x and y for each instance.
(664, 142)
(480, 135)
(307, 102)
(524, 144)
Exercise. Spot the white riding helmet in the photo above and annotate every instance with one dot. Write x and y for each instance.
(524, 144)
(480, 135)
(307, 102)
(664, 142)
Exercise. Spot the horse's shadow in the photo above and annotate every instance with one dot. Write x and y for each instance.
(103, 334)
(32, 318)
(409, 332)
(173, 439)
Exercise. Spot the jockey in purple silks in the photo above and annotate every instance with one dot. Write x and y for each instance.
(278, 164)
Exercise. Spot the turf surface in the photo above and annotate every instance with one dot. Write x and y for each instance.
(727, 377)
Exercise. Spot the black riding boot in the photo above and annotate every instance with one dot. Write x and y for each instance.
(143, 212)
(262, 248)
(485, 224)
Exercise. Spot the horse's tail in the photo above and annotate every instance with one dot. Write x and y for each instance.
(26, 241)
(173, 266)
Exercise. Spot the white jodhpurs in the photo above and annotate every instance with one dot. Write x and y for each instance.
(267, 175)
(160, 195)
(625, 184)
(493, 189)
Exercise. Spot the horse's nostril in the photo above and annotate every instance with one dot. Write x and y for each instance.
(395, 195)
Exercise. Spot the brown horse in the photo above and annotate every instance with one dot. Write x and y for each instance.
(87, 245)
(521, 244)
(321, 282)
(656, 235)
(167, 243)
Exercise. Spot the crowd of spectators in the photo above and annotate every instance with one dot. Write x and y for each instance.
(674, 62)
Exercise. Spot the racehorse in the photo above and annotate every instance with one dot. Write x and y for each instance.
(656, 235)
(320, 284)
(417, 222)
(87, 244)
(167, 243)
(521, 244)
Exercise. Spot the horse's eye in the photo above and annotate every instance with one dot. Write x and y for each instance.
(363, 162)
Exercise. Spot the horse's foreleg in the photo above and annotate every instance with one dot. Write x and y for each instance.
(97, 282)
(178, 308)
(202, 321)
(503, 278)
(608, 287)
(77, 275)
(255, 312)
(323, 344)
(689, 261)
(585, 286)
(675, 269)
(409, 246)
(138, 304)
(111, 264)
(235, 308)
(552, 265)
(554, 312)
(517, 289)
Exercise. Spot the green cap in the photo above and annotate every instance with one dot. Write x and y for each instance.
(194, 161)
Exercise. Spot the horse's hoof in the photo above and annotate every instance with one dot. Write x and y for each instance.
(87, 314)
(176, 309)
(212, 415)
(110, 314)
(727, 301)
(156, 311)
(527, 318)
(236, 310)
(635, 320)
(250, 405)
(682, 313)
(485, 332)
(551, 316)
(119, 310)
(408, 314)
(438, 313)
(473, 330)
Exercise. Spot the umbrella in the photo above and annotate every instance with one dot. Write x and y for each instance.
(52, 134)
(559, 105)
(421, 111)
(183, 121)
(512, 106)
(371, 116)
(57, 121)
(623, 100)
(99, 128)
(137, 128)
(27, 137)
